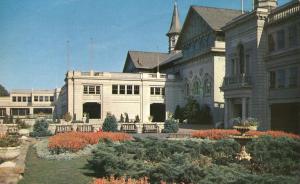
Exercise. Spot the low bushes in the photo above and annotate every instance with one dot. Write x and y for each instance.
(110, 123)
(74, 141)
(171, 125)
(40, 129)
(217, 134)
(191, 161)
(9, 141)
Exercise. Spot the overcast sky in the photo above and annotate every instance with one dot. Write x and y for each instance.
(34, 35)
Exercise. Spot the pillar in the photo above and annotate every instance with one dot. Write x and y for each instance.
(244, 108)
(226, 113)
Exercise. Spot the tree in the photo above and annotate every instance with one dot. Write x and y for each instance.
(110, 123)
(179, 113)
(192, 110)
(3, 91)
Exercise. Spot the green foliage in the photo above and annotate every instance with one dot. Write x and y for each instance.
(7, 119)
(247, 122)
(3, 91)
(9, 141)
(122, 118)
(178, 114)
(126, 118)
(192, 161)
(21, 124)
(110, 123)
(40, 129)
(137, 119)
(67, 117)
(171, 125)
(192, 110)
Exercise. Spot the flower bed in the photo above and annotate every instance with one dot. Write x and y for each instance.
(217, 134)
(75, 141)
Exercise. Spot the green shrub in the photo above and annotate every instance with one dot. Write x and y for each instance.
(126, 118)
(40, 129)
(171, 126)
(121, 118)
(9, 141)
(137, 119)
(192, 161)
(178, 114)
(67, 117)
(110, 123)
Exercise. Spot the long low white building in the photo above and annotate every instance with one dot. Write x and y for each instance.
(138, 94)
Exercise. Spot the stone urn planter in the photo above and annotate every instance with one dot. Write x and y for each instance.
(244, 129)
(9, 153)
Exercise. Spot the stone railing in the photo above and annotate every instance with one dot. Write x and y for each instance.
(237, 81)
(285, 12)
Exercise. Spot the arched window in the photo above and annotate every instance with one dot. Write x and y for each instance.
(241, 59)
(195, 87)
(207, 85)
(187, 88)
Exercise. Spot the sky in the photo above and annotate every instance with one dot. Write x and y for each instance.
(34, 53)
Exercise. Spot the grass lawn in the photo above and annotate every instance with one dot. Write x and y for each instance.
(40, 171)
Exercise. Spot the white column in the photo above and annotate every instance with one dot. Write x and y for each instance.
(244, 108)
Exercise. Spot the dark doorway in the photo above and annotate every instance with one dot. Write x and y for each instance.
(285, 117)
(93, 109)
(158, 111)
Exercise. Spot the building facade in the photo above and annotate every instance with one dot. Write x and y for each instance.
(262, 66)
(137, 94)
(29, 103)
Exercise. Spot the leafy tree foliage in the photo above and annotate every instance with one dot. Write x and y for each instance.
(3, 91)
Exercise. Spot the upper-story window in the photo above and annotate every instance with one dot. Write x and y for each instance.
(207, 85)
(36, 98)
(281, 78)
(51, 98)
(24, 99)
(90, 89)
(14, 98)
(272, 79)
(232, 67)
(281, 39)
(129, 89)
(136, 89)
(293, 36)
(242, 59)
(114, 89)
(122, 89)
(293, 76)
(271, 43)
(41, 98)
(46, 98)
(29, 99)
(157, 90)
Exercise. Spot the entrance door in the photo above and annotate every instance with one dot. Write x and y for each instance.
(93, 109)
(158, 111)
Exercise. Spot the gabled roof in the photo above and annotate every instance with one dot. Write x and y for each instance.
(175, 26)
(145, 60)
(216, 17)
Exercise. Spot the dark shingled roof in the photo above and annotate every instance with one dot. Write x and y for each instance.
(216, 17)
(147, 60)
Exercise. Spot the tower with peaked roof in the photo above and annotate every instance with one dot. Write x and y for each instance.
(175, 29)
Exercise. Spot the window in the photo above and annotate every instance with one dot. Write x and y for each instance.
(242, 59)
(195, 87)
(281, 78)
(97, 89)
(91, 89)
(293, 76)
(293, 36)
(233, 67)
(272, 79)
(2, 112)
(163, 91)
(24, 99)
(129, 89)
(85, 89)
(280, 39)
(14, 99)
(51, 98)
(29, 99)
(41, 98)
(207, 85)
(46, 98)
(19, 99)
(114, 89)
(271, 43)
(187, 89)
(122, 89)
(36, 98)
(152, 90)
(157, 91)
(136, 89)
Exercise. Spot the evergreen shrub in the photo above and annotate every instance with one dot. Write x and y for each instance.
(110, 123)
(40, 129)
